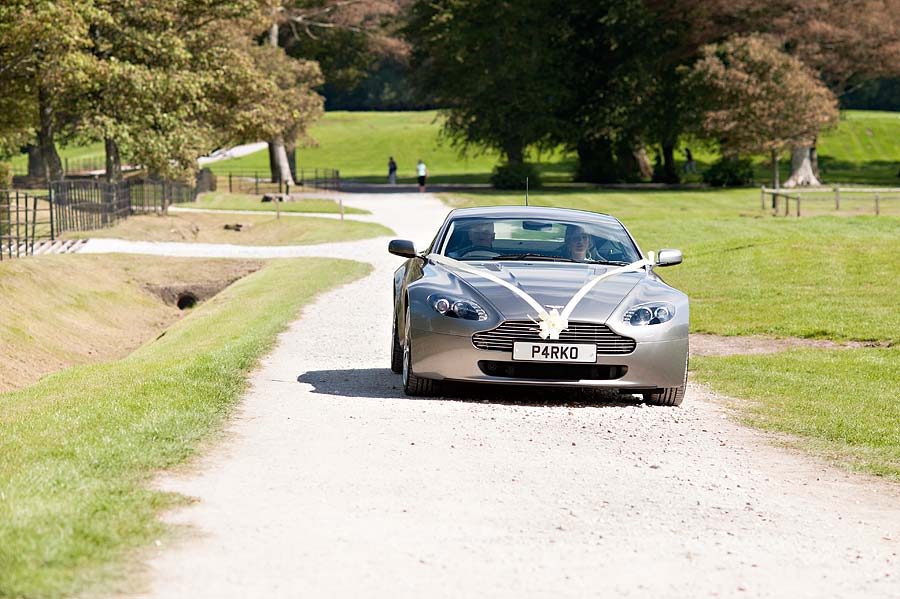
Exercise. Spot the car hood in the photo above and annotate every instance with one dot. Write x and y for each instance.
(551, 285)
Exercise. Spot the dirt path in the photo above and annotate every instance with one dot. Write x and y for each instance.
(333, 484)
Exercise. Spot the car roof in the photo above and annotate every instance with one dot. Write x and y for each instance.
(529, 212)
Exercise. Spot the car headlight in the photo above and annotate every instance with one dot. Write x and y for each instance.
(649, 313)
(456, 307)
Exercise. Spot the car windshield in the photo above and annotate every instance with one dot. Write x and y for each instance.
(539, 239)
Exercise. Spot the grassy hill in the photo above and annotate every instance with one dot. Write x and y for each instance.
(863, 148)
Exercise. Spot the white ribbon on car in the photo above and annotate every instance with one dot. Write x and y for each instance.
(551, 323)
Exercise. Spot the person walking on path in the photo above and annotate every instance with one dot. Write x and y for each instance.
(422, 174)
(392, 171)
(690, 166)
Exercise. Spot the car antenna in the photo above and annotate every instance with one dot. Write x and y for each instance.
(526, 191)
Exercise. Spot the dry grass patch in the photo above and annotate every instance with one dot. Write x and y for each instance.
(254, 230)
(60, 311)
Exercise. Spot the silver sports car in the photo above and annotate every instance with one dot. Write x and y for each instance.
(538, 296)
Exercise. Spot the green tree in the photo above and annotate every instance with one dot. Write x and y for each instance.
(493, 67)
(42, 48)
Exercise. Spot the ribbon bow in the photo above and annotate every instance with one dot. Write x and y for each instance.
(551, 323)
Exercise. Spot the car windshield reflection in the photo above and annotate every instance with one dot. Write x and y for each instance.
(473, 239)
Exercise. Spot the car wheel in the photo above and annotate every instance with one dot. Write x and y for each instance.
(414, 385)
(396, 350)
(670, 396)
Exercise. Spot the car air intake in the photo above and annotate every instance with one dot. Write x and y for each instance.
(552, 372)
(503, 337)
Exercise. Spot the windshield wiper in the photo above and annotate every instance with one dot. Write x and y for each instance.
(611, 262)
(533, 257)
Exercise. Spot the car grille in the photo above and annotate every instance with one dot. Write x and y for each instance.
(552, 372)
(503, 337)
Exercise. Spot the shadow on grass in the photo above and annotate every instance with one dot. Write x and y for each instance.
(381, 383)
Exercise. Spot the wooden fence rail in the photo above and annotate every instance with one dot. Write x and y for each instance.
(779, 200)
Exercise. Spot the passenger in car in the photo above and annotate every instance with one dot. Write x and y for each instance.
(578, 244)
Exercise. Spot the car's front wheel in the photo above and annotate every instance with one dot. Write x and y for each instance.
(412, 384)
(670, 396)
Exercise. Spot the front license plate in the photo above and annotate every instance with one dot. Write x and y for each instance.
(555, 352)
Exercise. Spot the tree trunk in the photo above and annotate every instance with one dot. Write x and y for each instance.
(595, 161)
(775, 182)
(37, 168)
(54, 169)
(515, 153)
(113, 161)
(645, 167)
(273, 164)
(283, 168)
(802, 174)
(290, 148)
(670, 172)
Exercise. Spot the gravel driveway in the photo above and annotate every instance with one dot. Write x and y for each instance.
(331, 483)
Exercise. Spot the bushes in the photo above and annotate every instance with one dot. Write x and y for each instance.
(512, 176)
(729, 172)
(6, 175)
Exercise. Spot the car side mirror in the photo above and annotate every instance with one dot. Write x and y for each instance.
(668, 257)
(402, 247)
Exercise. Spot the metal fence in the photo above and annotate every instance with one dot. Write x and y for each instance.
(88, 205)
(26, 220)
(851, 200)
(260, 182)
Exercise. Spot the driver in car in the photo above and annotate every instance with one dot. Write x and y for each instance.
(480, 237)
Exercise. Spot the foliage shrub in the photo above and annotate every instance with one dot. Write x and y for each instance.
(512, 176)
(729, 172)
(6, 175)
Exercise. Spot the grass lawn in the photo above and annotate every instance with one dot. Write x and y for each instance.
(219, 200)
(359, 144)
(838, 404)
(746, 272)
(79, 155)
(79, 449)
(255, 230)
(864, 148)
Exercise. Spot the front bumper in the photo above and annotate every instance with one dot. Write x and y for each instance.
(652, 364)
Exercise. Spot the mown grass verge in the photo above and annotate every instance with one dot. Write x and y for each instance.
(78, 449)
(218, 200)
(838, 404)
(748, 273)
(262, 229)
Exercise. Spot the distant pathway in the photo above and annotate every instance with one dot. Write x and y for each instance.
(331, 483)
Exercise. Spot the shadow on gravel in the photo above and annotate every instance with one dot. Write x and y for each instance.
(381, 383)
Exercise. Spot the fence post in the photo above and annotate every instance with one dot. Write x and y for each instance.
(762, 197)
(341, 204)
(256, 175)
(50, 200)
(837, 197)
(876, 204)
(787, 205)
(337, 175)
(229, 183)
(798, 204)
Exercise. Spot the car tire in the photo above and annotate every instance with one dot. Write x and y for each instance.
(413, 385)
(396, 350)
(670, 396)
